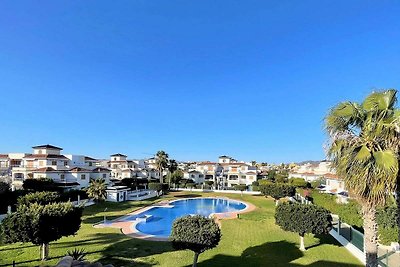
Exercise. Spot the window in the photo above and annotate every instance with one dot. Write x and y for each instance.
(83, 176)
(90, 164)
(65, 163)
(40, 163)
(104, 176)
(40, 151)
(192, 175)
(115, 158)
(62, 177)
(201, 175)
(54, 162)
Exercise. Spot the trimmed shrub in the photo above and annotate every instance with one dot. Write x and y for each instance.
(41, 198)
(156, 186)
(277, 191)
(41, 184)
(303, 219)
(298, 182)
(195, 233)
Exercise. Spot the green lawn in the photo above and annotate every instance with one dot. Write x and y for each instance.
(252, 240)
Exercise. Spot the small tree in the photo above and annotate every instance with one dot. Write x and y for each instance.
(41, 184)
(195, 233)
(97, 189)
(277, 191)
(41, 224)
(241, 188)
(303, 219)
(4, 187)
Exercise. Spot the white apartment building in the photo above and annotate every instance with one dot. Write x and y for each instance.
(121, 167)
(46, 161)
(227, 172)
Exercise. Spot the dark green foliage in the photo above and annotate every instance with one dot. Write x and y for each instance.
(277, 191)
(280, 178)
(210, 183)
(41, 198)
(155, 186)
(271, 175)
(298, 182)
(41, 224)
(175, 177)
(190, 185)
(240, 187)
(72, 195)
(349, 213)
(41, 184)
(77, 254)
(4, 187)
(386, 217)
(9, 198)
(195, 233)
(303, 219)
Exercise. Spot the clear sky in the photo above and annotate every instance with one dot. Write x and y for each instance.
(250, 79)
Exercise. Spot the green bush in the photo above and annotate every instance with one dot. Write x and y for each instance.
(387, 225)
(303, 219)
(41, 198)
(41, 184)
(190, 185)
(156, 186)
(277, 190)
(388, 235)
(195, 233)
(349, 213)
(10, 198)
(298, 182)
(240, 187)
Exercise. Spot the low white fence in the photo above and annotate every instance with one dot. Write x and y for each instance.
(142, 194)
(217, 191)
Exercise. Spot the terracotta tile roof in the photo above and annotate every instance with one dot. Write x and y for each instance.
(101, 169)
(251, 173)
(118, 155)
(45, 156)
(3, 156)
(79, 169)
(45, 169)
(90, 159)
(206, 163)
(234, 164)
(331, 176)
(47, 147)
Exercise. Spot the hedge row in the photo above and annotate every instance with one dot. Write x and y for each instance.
(351, 214)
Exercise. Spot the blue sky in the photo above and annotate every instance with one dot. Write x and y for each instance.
(251, 79)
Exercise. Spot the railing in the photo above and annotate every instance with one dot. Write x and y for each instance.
(353, 240)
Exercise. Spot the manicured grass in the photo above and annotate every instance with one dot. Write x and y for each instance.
(252, 240)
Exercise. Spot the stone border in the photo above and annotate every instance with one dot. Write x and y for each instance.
(129, 228)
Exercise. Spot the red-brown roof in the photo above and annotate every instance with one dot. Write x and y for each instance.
(45, 156)
(79, 169)
(47, 147)
(331, 176)
(206, 163)
(100, 169)
(251, 173)
(3, 156)
(45, 169)
(89, 159)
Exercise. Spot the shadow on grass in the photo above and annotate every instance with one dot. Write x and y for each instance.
(124, 253)
(280, 253)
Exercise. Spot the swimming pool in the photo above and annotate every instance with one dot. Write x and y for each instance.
(157, 221)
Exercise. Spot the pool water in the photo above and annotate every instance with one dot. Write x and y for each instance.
(158, 221)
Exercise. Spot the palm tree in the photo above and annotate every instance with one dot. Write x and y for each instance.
(161, 163)
(97, 189)
(363, 148)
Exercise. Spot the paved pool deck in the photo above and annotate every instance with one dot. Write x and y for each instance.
(129, 227)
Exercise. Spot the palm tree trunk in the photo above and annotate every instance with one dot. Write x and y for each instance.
(196, 256)
(370, 236)
(398, 211)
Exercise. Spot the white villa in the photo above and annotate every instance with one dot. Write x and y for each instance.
(312, 172)
(227, 172)
(46, 161)
(121, 167)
